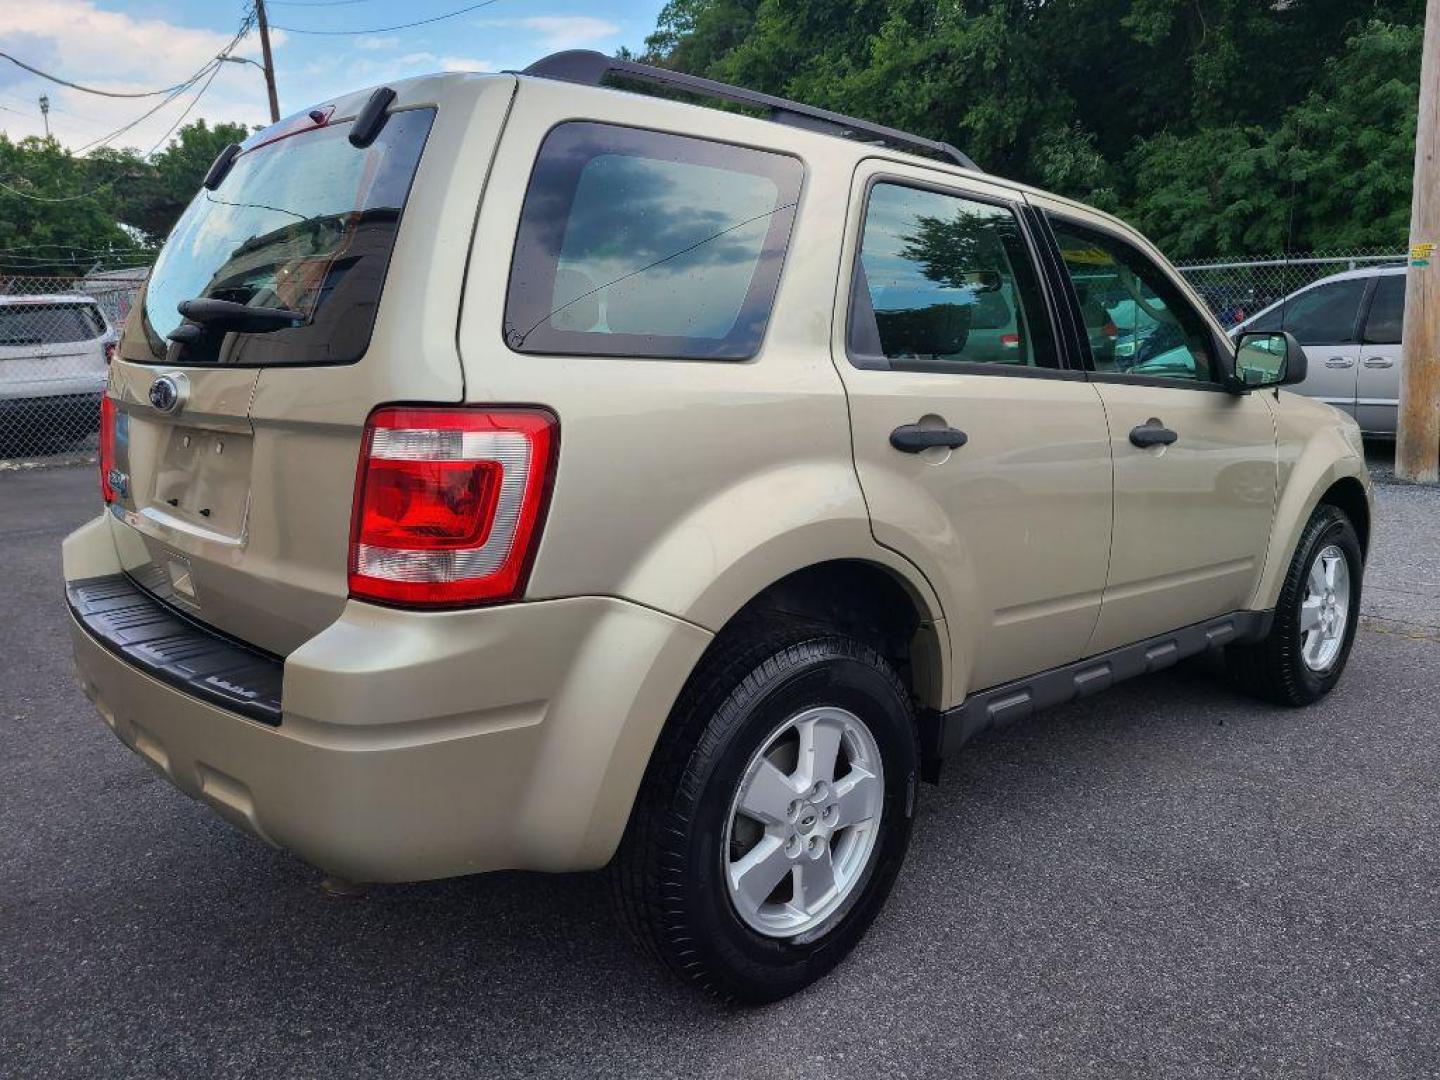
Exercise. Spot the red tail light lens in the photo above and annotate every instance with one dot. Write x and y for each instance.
(449, 504)
(1110, 330)
(1010, 341)
(110, 348)
(107, 447)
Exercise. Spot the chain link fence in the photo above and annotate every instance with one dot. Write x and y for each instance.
(56, 337)
(56, 334)
(1237, 288)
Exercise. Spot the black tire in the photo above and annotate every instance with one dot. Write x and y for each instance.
(1273, 668)
(668, 875)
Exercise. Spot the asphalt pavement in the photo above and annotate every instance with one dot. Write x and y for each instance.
(1165, 880)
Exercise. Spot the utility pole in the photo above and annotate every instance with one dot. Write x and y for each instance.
(1417, 450)
(45, 112)
(269, 63)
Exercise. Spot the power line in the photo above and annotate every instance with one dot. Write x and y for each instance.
(387, 29)
(87, 89)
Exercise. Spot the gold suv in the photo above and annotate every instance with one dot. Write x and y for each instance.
(510, 471)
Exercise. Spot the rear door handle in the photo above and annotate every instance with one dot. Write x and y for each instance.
(1339, 362)
(912, 438)
(1152, 433)
(1379, 362)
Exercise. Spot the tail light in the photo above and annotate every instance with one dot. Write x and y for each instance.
(1110, 330)
(449, 504)
(1010, 341)
(110, 352)
(107, 447)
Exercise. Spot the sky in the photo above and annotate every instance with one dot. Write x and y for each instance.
(137, 45)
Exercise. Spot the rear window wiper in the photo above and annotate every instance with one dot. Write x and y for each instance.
(206, 313)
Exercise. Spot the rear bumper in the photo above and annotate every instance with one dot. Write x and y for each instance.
(417, 746)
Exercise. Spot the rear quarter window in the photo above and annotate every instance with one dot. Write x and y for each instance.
(639, 243)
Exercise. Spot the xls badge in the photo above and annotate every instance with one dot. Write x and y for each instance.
(167, 392)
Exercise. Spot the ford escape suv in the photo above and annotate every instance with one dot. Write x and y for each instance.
(514, 471)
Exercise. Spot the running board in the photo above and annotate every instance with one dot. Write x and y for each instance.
(1008, 702)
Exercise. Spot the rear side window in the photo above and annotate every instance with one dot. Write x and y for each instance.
(49, 323)
(944, 280)
(304, 223)
(1324, 315)
(638, 243)
(1387, 311)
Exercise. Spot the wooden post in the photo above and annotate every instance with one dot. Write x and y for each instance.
(265, 55)
(1417, 450)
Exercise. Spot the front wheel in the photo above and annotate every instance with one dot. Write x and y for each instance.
(1304, 655)
(775, 814)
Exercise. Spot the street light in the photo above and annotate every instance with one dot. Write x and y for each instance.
(269, 79)
(45, 112)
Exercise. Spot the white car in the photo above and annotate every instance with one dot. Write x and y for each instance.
(54, 356)
(1349, 325)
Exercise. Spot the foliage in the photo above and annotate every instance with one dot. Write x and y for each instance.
(64, 215)
(1197, 118)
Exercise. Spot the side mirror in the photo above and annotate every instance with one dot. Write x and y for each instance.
(1265, 358)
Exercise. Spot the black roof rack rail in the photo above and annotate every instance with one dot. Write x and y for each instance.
(589, 68)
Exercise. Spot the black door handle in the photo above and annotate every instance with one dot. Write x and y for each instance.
(1152, 433)
(912, 438)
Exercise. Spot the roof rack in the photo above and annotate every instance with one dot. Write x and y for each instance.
(589, 68)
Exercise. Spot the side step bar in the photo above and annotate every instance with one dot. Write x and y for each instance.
(1012, 701)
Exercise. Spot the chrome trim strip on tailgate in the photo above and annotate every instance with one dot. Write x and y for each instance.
(167, 646)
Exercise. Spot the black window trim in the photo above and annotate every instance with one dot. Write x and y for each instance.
(1367, 303)
(1066, 369)
(1221, 346)
(801, 187)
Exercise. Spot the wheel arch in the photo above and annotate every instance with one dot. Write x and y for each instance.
(1329, 470)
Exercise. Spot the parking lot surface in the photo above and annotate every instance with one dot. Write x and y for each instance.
(1165, 880)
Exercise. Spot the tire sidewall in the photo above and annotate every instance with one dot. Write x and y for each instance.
(832, 675)
(1333, 528)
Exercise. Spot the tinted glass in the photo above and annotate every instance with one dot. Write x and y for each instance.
(637, 243)
(44, 323)
(1387, 311)
(1136, 320)
(1324, 315)
(305, 223)
(943, 279)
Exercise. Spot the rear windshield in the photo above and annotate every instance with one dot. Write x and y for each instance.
(305, 224)
(44, 323)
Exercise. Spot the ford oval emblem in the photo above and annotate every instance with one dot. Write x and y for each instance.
(165, 393)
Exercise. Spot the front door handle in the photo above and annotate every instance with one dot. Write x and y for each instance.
(1379, 362)
(1339, 362)
(912, 438)
(1152, 433)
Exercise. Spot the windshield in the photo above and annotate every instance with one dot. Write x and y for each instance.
(305, 224)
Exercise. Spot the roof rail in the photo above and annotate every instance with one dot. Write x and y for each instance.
(589, 68)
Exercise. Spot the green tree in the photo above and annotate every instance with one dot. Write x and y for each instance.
(1197, 117)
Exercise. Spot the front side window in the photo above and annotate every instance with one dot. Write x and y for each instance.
(1387, 311)
(1324, 315)
(945, 280)
(1135, 318)
(638, 243)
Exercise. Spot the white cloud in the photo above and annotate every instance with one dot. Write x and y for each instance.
(561, 31)
(114, 51)
(377, 44)
(463, 63)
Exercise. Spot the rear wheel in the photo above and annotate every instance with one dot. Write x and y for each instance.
(775, 814)
(1304, 655)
